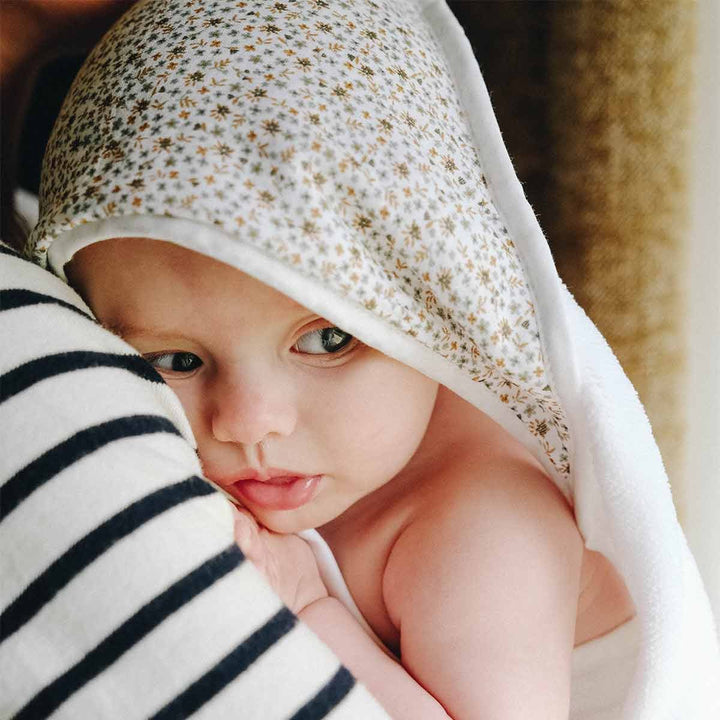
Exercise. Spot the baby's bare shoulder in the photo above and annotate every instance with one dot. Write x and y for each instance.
(484, 574)
(488, 507)
(469, 460)
(497, 480)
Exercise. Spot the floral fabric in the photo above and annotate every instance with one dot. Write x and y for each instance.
(327, 135)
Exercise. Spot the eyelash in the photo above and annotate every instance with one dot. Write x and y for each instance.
(155, 357)
(325, 332)
(347, 346)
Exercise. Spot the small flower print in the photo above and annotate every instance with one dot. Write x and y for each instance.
(163, 144)
(449, 163)
(285, 122)
(362, 222)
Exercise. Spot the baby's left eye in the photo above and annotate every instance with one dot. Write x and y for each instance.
(323, 341)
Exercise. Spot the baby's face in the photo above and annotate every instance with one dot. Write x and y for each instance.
(293, 417)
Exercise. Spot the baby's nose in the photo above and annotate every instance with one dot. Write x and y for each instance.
(248, 408)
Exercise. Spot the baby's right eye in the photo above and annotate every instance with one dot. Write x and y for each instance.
(175, 362)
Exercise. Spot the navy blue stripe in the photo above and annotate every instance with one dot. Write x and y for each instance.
(32, 476)
(10, 299)
(228, 669)
(131, 632)
(5, 250)
(33, 371)
(334, 692)
(86, 550)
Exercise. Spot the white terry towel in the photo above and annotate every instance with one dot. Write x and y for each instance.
(347, 155)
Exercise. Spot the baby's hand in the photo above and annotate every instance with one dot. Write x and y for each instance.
(286, 561)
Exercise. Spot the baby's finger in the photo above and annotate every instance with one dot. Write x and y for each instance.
(246, 528)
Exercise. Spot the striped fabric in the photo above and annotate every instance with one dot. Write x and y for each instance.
(123, 594)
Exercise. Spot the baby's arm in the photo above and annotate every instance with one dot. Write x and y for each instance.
(394, 688)
(483, 586)
(290, 567)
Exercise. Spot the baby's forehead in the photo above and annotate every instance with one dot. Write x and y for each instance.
(137, 281)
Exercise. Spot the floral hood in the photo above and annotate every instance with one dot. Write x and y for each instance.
(323, 147)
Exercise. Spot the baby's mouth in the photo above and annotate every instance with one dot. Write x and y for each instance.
(279, 493)
(271, 489)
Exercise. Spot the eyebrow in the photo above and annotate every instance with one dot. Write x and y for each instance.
(127, 329)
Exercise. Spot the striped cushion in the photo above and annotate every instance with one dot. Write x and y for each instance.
(123, 594)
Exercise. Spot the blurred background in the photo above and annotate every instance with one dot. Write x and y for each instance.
(611, 112)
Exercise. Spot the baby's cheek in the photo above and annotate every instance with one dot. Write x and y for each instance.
(388, 411)
(407, 408)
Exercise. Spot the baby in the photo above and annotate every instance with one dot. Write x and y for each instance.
(458, 549)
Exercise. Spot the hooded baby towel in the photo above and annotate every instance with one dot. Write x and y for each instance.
(346, 154)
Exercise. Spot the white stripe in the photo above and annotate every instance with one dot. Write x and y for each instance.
(281, 681)
(42, 430)
(165, 460)
(111, 590)
(222, 617)
(62, 331)
(358, 704)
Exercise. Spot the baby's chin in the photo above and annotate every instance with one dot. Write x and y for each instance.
(284, 525)
(290, 521)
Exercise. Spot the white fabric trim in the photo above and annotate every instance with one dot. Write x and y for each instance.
(354, 319)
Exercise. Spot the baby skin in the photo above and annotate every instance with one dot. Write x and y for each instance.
(458, 549)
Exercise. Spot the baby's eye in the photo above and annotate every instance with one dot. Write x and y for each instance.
(178, 362)
(322, 341)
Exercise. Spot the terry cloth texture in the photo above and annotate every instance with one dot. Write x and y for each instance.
(123, 594)
(347, 155)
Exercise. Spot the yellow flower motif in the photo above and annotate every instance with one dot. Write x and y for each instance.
(309, 228)
(271, 126)
(449, 163)
(362, 222)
